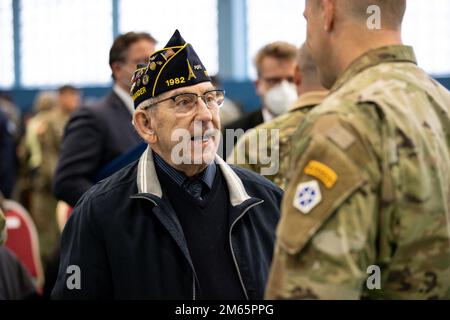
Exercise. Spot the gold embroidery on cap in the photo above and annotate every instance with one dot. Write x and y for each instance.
(191, 72)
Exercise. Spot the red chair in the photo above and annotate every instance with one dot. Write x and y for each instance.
(22, 239)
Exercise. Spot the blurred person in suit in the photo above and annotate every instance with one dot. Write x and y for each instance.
(97, 134)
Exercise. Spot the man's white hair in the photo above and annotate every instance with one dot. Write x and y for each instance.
(146, 103)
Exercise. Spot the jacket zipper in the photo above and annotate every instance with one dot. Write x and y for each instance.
(193, 272)
(231, 247)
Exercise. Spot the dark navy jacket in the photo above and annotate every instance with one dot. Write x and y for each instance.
(128, 243)
(93, 137)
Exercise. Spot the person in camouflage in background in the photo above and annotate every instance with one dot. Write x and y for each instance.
(50, 130)
(370, 168)
(258, 145)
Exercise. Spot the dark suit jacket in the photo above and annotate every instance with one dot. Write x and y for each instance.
(247, 122)
(94, 136)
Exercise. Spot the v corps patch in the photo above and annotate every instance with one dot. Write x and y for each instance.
(307, 196)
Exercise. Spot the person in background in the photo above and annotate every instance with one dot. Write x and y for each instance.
(230, 111)
(275, 65)
(29, 150)
(366, 213)
(255, 145)
(49, 135)
(15, 281)
(173, 225)
(8, 162)
(97, 134)
(13, 114)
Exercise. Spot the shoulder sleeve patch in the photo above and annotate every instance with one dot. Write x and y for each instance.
(322, 172)
(321, 181)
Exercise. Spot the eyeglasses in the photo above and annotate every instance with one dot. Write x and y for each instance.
(185, 102)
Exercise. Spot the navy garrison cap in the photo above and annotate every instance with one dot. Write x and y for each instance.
(175, 66)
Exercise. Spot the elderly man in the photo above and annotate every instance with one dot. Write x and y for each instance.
(179, 223)
(367, 209)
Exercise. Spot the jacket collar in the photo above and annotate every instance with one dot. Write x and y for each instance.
(125, 97)
(394, 53)
(308, 99)
(147, 179)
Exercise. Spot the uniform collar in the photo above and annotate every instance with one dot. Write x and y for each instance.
(395, 53)
(147, 179)
(308, 99)
(125, 97)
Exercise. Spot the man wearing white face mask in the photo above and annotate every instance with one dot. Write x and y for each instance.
(275, 64)
(278, 143)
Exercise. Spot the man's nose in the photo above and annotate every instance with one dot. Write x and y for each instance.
(203, 112)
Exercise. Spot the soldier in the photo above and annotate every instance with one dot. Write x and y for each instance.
(49, 135)
(255, 149)
(366, 211)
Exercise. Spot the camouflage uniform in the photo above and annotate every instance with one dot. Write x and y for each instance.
(43, 204)
(369, 185)
(286, 124)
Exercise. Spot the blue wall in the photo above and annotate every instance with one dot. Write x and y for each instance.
(243, 92)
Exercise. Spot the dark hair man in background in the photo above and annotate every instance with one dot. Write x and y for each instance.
(97, 134)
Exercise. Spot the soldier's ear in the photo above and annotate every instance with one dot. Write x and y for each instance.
(328, 14)
(144, 125)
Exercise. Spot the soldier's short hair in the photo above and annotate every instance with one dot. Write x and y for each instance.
(392, 11)
(279, 50)
(122, 43)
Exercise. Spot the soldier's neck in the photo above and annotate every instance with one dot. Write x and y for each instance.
(353, 46)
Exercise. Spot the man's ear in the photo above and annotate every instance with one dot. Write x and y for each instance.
(257, 83)
(116, 67)
(144, 126)
(328, 14)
